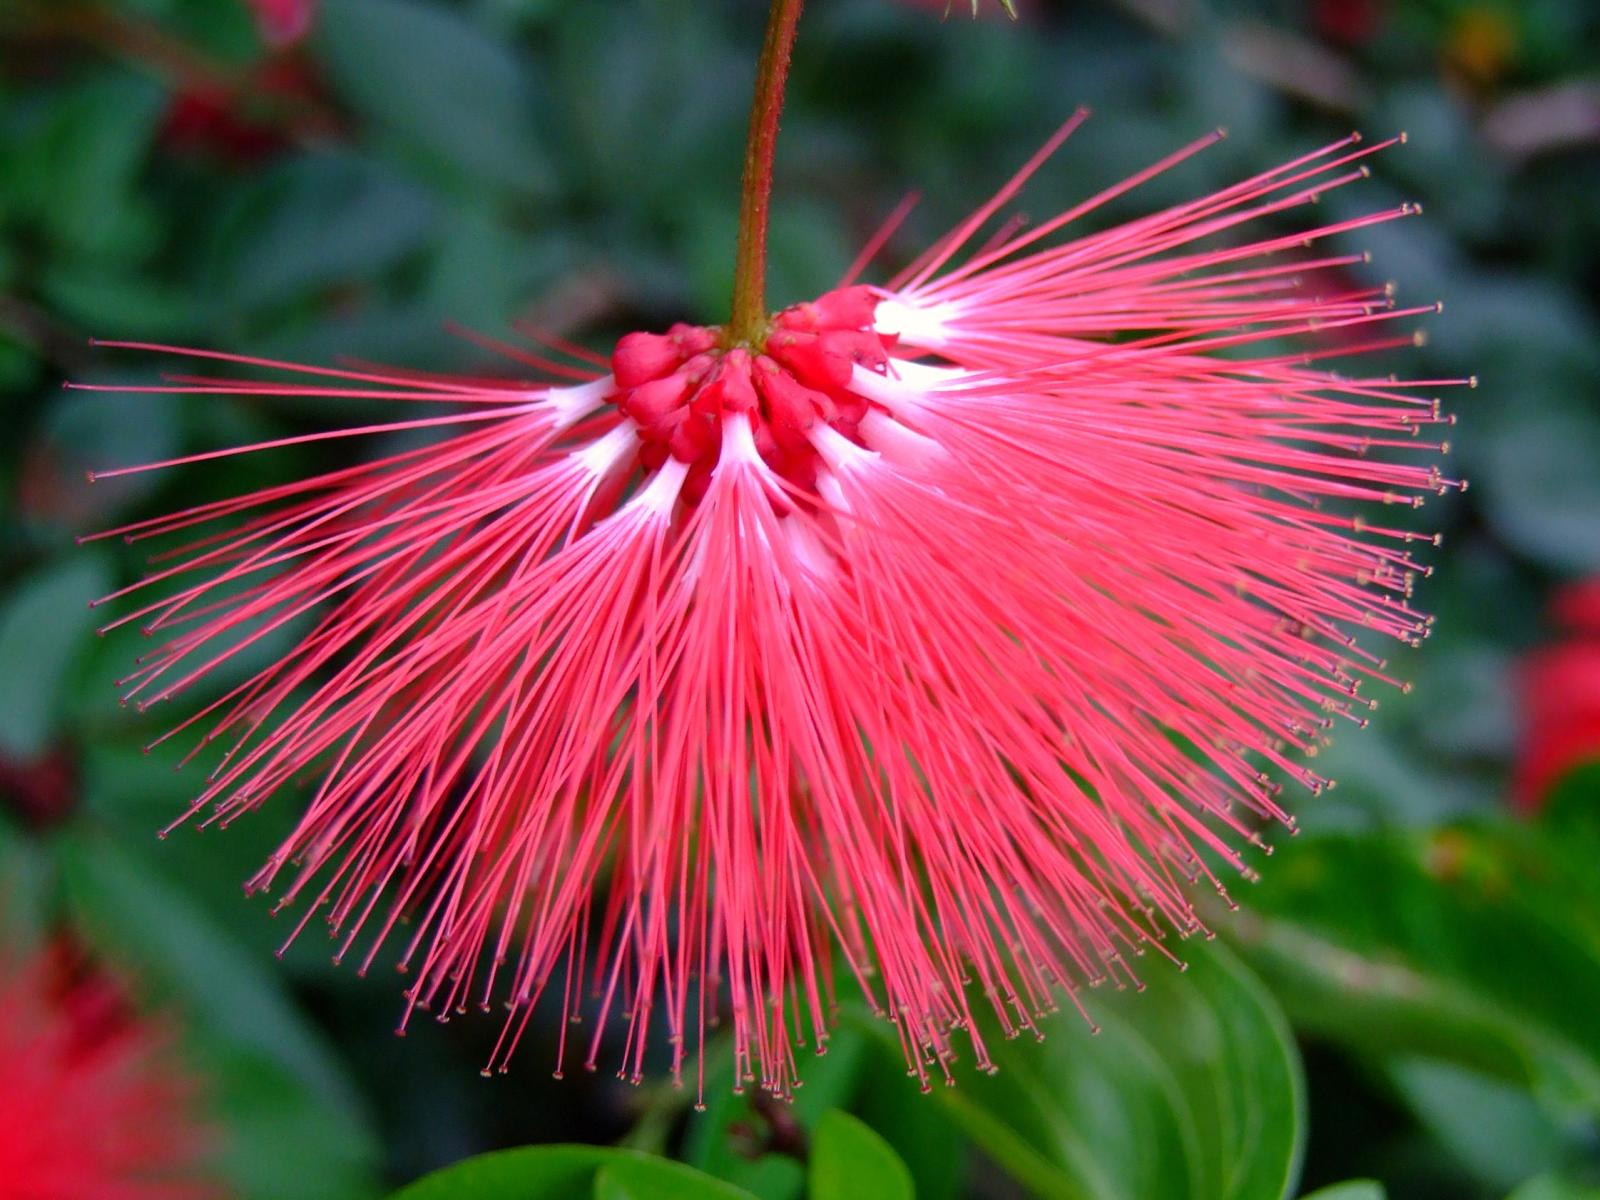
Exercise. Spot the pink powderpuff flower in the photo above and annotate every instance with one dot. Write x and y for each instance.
(954, 626)
(1560, 687)
(91, 1103)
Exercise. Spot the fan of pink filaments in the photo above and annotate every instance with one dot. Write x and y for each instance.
(958, 627)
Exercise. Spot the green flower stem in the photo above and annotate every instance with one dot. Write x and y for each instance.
(748, 321)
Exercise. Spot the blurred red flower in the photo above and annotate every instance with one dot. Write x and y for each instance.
(247, 121)
(93, 1105)
(1349, 22)
(1561, 698)
(283, 22)
(41, 790)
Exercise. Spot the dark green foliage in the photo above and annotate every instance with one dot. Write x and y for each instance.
(1434, 962)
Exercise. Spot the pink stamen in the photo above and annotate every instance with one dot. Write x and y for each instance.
(962, 626)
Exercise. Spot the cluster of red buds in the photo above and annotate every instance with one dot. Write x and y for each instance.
(679, 386)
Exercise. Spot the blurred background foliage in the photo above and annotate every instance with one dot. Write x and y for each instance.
(1412, 994)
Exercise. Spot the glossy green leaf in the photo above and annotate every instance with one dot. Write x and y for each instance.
(1551, 1187)
(45, 625)
(1573, 805)
(73, 167)
(313, 222)
(1495, 1131)
(484, 271)
(674, 72)
(567, 1172)
(921, 1133)
(1543, 487)
(261, 1106)
(1353, 1189)
(1191, 1088)
(528, 1173)
(440, 83)
(714, 1144)
(116, 305)
(1436, 946)
(1565, 844)
(851, 1162)
(862, 1072)
(638, 1177)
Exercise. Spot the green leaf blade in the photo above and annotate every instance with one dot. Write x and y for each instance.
(562, 1172)
(1192, 1087)
(1351, 1189)
(1439, 946)
(440, 84)
(849, 1161)
(43, 627)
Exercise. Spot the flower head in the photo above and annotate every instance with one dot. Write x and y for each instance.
(90, 1103)
(1560, 686)
(956, 626)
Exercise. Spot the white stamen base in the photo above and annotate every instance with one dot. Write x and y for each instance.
(838, 451)
(569, 404)
(601, 456)
(909, 389)
(924, 327)
(738, 441)
(900, 445)
(661, 493)
(808, 549)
